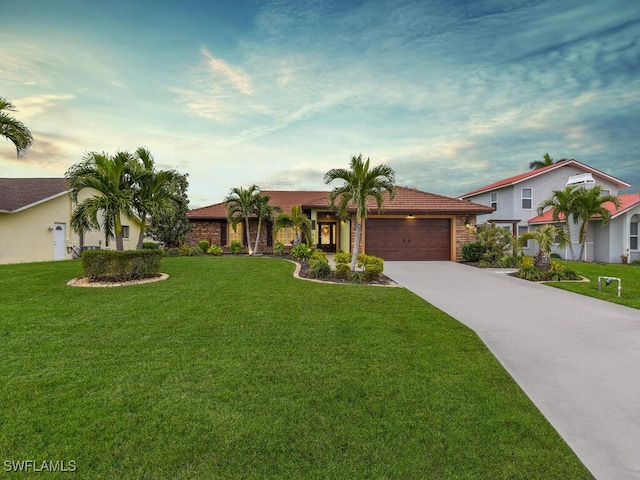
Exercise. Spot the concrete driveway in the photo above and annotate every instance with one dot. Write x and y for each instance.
(576, 357)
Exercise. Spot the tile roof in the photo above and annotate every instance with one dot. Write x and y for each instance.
(626, 202)
(19, 193)
(406, 201)
(534, 173)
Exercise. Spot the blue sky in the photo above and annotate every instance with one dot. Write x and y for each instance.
(451, 94)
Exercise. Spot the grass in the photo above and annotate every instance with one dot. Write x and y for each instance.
(629, 274)
(233, 369)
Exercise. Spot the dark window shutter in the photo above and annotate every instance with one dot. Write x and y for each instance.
(269, 234)
(223, 233)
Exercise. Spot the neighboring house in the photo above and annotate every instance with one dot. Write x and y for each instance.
(416, 225)
(515, 201)
(35, 216)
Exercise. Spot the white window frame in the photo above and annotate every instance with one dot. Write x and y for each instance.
(606, 191)
(523, 229)
(126, 232)
(634, 236)
(523, 198)
(493, 200)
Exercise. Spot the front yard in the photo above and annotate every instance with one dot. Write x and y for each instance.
(232, 368)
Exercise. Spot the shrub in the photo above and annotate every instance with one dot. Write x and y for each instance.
(235, 248)
(301, 251)
(555, 255)
(530, 273)
(343, 258)
(204, 245)
(215, 250)
(317, 255)
(495, 242)
(171, 252)
(471, 252)
(320, 269)
(150, 246)
(373, 266)
(343, 270)
(527, 261)
(278, 249)
(357, 277)
(635, 262)
(510, 261)
(189, 251)
(115, 266)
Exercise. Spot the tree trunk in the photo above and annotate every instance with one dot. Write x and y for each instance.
(356, 245)
(255, 250)
(541, 261)
(248, 235)
(573, 254)
(119, 241)
(583, 244)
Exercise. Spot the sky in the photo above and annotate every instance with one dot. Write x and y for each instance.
(452, 95)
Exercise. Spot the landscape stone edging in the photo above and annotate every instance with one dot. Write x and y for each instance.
(83, 282)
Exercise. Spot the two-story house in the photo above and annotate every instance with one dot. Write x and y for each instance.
(515, 202)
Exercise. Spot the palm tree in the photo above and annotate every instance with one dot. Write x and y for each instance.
(360, 184)
(296, 220)
(111, 177)
(561, 202)
(536, 164)
(263, 211)
(240, 205)
(14, 130)
(590, 202)
(546, 237)
(153, 190)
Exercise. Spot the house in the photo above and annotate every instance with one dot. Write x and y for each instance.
(35, 218)
(515, 200)
(416, 225)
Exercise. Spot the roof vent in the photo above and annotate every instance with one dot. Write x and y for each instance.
(581, 179)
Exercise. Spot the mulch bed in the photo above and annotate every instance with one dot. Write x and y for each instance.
(304, 273)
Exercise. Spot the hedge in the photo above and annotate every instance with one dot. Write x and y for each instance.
(114, 266)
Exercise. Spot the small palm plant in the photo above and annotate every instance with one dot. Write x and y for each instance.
(546, 237)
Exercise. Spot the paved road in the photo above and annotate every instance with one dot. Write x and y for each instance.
(576, 357)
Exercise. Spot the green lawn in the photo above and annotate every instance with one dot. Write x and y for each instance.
(629, 274)
(232, 368)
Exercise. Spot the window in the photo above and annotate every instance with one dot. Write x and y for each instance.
(494, 201)
(527, 198)
(237, 235)
(633, 232)
(125, 231)
(606, 191)
(285, 236)
(521, 230)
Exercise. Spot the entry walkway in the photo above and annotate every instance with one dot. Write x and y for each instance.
(576, 357)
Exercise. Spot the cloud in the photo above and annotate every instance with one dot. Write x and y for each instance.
(220, 69)
(37, 105)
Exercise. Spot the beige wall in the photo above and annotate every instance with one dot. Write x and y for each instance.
(25, 235)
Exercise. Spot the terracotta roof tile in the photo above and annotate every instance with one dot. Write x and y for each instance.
(407, 200)
(18, 193)
(627, 201)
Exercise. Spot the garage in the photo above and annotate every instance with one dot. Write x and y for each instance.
(396, 239)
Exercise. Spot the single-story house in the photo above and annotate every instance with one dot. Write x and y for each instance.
(416, 225)
(514, 202)
(35, 222)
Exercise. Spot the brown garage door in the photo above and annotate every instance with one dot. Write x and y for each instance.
(409, 238)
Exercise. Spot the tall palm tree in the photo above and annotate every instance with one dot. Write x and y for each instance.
(240, 205)
(111, 177)
(263, 211)
(14, 130)
(296, 220)
(546, 237)
(561, 202)
(154, 190)
(360, 184)
(536, 164)
(589, 203)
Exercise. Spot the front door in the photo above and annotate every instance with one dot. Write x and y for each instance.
(327, 236)
(59, 247)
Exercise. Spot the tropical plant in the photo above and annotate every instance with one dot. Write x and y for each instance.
(263, 211)
(561, 202)
(14, 130)
(546, 161)
(296, 220)
(546, 237)
(495, 242)
(589, 203)
(278, 249)
(153, 190)
(360, 183)
(472, 252)
(204, 245)
(373, 266)
(240, 205)
(235, 247)
(215, 250)
(170, 225)
(111, 177)
(301, 251)
(320, 269)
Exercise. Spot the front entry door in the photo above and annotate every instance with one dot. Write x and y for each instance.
(59, 247)
(327, 236)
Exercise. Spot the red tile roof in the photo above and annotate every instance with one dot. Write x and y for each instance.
(627, 202)
(406, 201)
(19, 193)
(534, 173)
